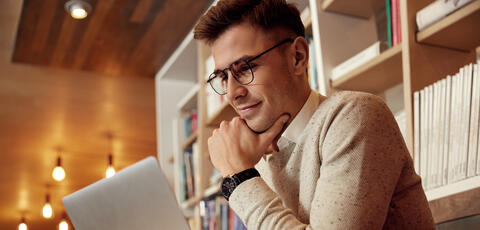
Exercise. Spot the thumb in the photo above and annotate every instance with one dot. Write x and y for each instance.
(274, 132)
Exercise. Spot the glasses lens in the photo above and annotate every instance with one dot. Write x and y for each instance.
(242, 72)
(218, 81)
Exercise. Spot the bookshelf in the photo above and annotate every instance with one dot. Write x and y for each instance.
(363, 9)
(457, 31)
(340, 29)
(371, 77)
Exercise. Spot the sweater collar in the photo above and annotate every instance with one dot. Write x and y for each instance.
(298, 124)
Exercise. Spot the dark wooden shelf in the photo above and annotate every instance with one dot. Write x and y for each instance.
(192, 138)
(456, 206)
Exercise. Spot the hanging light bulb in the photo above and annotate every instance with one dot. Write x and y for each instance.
(22, 225)
(110, 169)
(47, 210)
(58, 173)
(63, 225)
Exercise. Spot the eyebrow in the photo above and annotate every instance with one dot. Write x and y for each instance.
(242, 58)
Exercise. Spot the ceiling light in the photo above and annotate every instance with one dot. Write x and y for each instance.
(78, 9)
(22, 225)
(58, 173)
(110, 169)
(63, 225)
(47, 210)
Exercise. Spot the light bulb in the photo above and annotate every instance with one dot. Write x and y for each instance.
(47, 211)
(22, 225)
(58, 173)
(63, 225)
(78, 12)
(110, 171)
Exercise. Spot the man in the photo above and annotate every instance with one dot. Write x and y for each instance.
(323, 163)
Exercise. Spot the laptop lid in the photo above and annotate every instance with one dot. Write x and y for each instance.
(137, 197)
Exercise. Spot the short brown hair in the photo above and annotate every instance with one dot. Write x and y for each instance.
(267, 14)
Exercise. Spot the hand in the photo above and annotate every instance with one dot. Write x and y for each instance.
(234, 147)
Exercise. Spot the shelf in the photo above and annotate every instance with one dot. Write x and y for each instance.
(375, 76)
(455, 200)
(450, 189)
(362, 9)
(192, 138)
(306, 17)
(189, 102)
(190, 203)
(225, 112)
(212, 190)
(459, 30)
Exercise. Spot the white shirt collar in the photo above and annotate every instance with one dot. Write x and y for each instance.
(298, 124)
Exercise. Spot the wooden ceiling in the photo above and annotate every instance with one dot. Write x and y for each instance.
(119, 37)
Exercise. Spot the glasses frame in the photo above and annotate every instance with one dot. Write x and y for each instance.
(214, 74)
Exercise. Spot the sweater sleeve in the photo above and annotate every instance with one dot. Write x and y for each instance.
(362, 153)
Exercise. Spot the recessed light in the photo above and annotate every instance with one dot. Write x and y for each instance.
(78, 9)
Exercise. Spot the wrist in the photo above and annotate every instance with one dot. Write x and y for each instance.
(230, 183)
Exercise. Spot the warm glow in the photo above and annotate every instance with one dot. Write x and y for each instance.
(22, 226)
(78, 12)
(58, 173)
(63, 225)
(47, 211)
(110, 172)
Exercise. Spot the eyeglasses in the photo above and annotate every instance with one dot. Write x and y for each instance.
(241, 70)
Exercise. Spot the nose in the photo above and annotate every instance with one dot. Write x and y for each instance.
(235, 90)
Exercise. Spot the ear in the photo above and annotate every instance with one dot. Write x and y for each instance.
(300, 47)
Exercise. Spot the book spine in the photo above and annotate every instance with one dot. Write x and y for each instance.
(423, 137)
(467, 86)
(416, 125)
(430, 153)
(394, 5)
(441, 135)
(474, 123)
(453, 130)
(447, 138)
(388, 9)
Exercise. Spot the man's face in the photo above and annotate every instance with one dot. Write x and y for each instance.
(263, 101)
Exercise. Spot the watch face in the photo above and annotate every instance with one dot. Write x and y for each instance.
(228, 185)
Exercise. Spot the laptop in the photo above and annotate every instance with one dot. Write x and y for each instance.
(137, 197)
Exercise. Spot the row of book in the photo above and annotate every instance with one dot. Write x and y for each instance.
(188, 168)
(214, 101)
(437, 10)
(217, 215)
(191, 122)
(446, 120)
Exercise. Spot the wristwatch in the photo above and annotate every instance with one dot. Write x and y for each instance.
(230, 183)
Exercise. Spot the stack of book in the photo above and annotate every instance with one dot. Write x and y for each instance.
(214, 101)
(446, 120)
(217, 215)
(437, 10)
(187, 173)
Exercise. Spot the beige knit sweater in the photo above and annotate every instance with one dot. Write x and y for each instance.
(349, 168)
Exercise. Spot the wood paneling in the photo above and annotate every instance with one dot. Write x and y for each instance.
(119, 37)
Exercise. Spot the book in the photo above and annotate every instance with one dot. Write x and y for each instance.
(396, 30)
(423, 137)
(358, 60)
(447, 136)
(467, 105)
(388, 9)
(436, 11)
(416, 129)
(474, 123)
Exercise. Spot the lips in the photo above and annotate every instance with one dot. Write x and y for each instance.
(247, 111)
